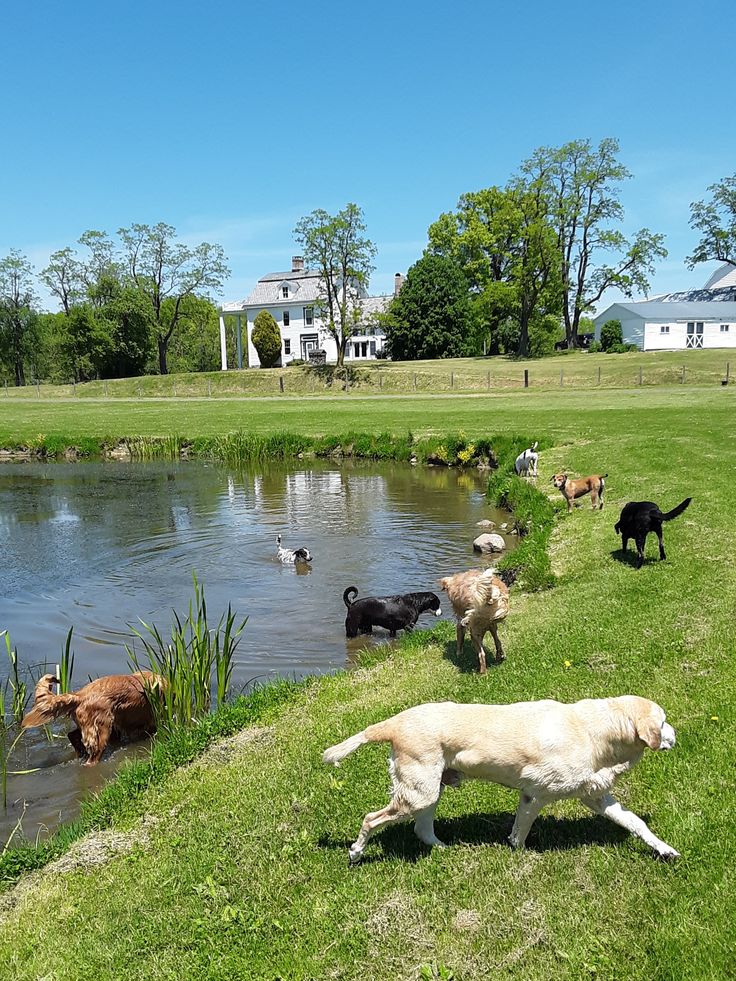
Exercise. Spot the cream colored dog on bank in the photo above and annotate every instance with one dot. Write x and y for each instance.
(547, 750)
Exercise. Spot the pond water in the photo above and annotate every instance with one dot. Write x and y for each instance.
(98, 545)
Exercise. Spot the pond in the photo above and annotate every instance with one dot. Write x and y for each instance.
(99, 545)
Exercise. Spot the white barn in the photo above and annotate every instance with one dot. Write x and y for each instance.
(292, 299)
(704, 318)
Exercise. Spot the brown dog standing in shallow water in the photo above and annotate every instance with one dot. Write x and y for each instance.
(117, 706)
(572, 489)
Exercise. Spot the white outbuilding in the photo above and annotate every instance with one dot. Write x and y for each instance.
(704, 318)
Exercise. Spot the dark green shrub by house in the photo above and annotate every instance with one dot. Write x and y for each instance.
(266, 339)
(611, 335)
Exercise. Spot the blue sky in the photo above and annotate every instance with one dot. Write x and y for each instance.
(230, 120)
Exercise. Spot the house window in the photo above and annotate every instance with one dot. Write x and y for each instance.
(287, 346)
(360, 349)
(285, 292)
(286, 318)
(308, 316)
(724, 328)
(373, 349)
(664, 328)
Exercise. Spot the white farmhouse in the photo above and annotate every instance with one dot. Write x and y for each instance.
(703, 318)
(292, 299)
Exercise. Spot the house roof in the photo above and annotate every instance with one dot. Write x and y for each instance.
(723, 294)
(674, 310)
(267, 292)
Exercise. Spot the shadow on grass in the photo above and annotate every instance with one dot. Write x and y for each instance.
(467, 662)
(630, 557)
(548, 834)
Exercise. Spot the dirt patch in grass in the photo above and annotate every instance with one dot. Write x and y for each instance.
(89, 852)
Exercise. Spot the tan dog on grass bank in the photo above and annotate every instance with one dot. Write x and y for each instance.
(546, 750)
(114, 707)
(480, 599)
(572, 489)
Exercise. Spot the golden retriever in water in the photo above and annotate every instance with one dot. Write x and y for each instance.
(480, 598)
(546, 750)
(116, 706)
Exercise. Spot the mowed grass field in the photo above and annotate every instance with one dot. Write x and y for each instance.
(577, 370)
(236, 867)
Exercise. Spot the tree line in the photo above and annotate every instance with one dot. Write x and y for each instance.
(518, 268)
(128, 306)
(512, 269)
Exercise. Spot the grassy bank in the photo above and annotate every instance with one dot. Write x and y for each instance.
(577, 370)
(242, 869)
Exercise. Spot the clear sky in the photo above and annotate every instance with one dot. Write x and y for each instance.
(230, 120)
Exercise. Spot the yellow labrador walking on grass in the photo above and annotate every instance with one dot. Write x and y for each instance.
(546, 750)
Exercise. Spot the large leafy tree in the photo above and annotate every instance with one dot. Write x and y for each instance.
(582, 184)
(196, 344)
(336, 247)
(716, 221)
(432, 317)
(162, 269)
(479, 237)
(18, 317)
(504, 242)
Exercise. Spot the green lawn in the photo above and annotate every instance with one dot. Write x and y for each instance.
(239, 867)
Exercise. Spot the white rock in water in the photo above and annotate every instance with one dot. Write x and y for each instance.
(489, 543)
(486, 523)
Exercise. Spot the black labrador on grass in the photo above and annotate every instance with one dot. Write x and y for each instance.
(392, 612)
(638, 518)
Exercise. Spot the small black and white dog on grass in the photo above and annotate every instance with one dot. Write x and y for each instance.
(292, 555)
(391, 612)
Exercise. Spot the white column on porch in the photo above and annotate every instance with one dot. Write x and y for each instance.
(223, 343)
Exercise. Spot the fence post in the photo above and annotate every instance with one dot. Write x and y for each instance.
(415, 381)
(38, 389)
(488, 381)
(562, 378)
(140, 390)
(640, 375)
(380, 379)
(599, 374)
(105, 387)
(74, 386)
(728, 372)
(6, 388)
(174, 387)
(281, 384)
(209, 388)
(682, 378)
(452, 379)
(526, 378)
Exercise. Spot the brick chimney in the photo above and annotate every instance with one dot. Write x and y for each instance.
(398, 283)
(297, 263)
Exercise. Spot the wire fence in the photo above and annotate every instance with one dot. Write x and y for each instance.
(379, 380)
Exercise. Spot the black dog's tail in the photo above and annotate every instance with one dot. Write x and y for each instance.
(508, 576)
(676, 511)
(350, 591)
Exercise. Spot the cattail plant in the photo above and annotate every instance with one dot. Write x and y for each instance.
(195, 663)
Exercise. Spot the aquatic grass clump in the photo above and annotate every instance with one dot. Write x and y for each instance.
(156, 447)
(196, 663)
(17, 691)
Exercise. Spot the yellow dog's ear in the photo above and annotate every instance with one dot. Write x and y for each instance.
(648, 723)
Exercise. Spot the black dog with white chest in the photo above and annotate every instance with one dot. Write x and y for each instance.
(391, 612)
(638, 519)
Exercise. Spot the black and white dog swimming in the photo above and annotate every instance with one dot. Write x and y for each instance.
(638, 518)
(392, 612)
(292, 555)
(525, 464)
